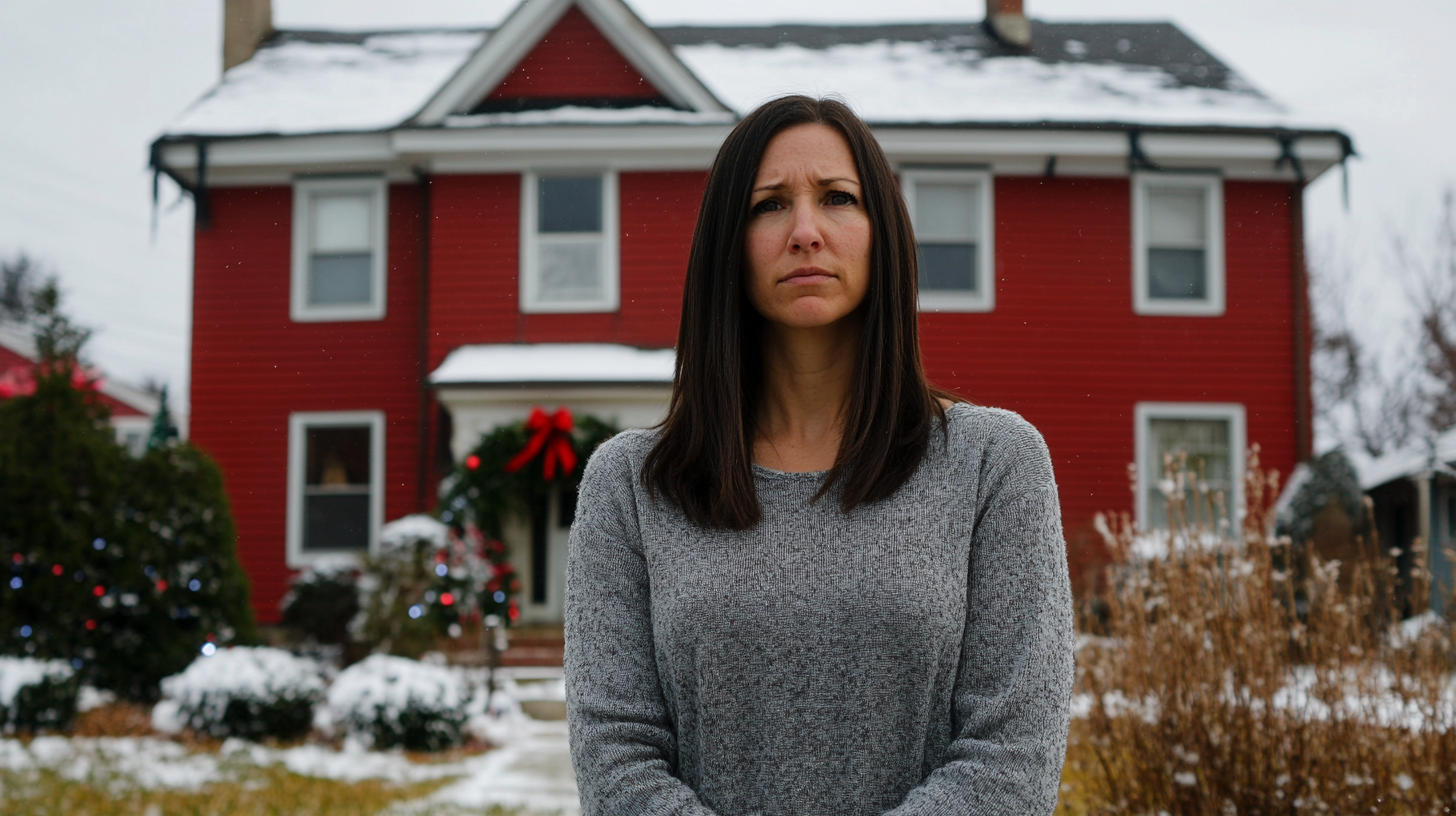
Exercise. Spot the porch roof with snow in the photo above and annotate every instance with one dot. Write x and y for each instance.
(1105, 74)
(579, 364)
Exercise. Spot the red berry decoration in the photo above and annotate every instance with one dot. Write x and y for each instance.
(447, 599)
(90, 624)
(57, 570)
(99, 591)
(472, 462)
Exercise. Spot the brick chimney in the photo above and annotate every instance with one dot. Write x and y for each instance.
(1008, 22)
(245, 24)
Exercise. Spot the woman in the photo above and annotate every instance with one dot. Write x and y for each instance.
(820, 586)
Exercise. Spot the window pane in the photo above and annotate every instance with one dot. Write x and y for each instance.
(948, 268)
(336, 522)
(340, 279)
(340, 222)
(337, 457)
(1177, 274)
(947, 212)
(1206, 441)
(571, 271)
(570, 204)
(1177, 217)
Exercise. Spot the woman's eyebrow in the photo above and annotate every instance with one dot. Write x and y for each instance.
(821, 183)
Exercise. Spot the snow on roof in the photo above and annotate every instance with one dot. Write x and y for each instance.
(926, 82)
(584, 363)
(1415, 458)
(302, 82)
(1131, 73)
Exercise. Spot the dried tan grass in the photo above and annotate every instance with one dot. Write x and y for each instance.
(1190, 661)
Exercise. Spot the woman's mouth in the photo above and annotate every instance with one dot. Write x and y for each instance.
(807, 276)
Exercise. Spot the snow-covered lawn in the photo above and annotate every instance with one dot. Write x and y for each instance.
(529, 772)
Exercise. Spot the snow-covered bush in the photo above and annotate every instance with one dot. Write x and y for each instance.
(247, 692)
(321, 602)
(389, 701)
(36, 694)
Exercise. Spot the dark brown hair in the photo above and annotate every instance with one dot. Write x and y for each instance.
(703, 460)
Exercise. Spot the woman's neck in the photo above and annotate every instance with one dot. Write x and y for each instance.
(807, 378)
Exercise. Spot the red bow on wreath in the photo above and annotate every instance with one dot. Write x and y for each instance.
(553, 433)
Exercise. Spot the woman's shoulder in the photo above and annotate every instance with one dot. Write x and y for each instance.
(1001, 441)
(622, 454)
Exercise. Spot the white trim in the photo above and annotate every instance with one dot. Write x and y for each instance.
(1213, 304)
(378, 189)
(1233, 412)
(298, 422)
(236, 162)
(523, 30)
(985, 299)
(610, 259)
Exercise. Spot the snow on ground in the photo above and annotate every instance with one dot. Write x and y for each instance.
(321, 87)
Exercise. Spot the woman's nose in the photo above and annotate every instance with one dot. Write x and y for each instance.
(805, 234)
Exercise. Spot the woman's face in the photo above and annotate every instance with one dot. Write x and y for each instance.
(808, 237)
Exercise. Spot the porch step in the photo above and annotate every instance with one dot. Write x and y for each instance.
(535, 646)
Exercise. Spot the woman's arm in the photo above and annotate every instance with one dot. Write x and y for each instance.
(622, 741)
(1012, 698)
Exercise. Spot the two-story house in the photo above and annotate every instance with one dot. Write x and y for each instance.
(405, 238)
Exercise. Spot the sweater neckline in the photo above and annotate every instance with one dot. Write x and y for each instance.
(819, 474)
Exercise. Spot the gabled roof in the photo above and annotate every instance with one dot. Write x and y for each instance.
(1137, 74)
(528, 24)
(17, 348)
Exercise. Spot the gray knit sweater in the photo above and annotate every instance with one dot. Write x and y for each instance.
(912, 657)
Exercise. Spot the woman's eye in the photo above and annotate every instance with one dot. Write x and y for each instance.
(841, 198)
(767, 205)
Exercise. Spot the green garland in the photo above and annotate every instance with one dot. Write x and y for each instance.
(480, 493)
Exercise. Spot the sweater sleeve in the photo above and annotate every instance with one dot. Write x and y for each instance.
(620, 731)
(1012, 695)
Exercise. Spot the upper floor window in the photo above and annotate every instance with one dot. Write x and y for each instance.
(951, 211)
(569, 242)
(1210, 439)
(335, 485)
(338, 249)
(1178, 244)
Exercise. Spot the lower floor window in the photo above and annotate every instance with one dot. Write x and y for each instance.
(335, 476)
(1193, 452)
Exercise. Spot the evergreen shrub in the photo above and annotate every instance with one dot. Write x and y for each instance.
(321, 603)
(387, 702)
(124, 567)
(37, 694)
(246, 692)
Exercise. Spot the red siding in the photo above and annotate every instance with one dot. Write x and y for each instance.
(252, 366)
(475, 251)
(574, 61)
(1064, 349)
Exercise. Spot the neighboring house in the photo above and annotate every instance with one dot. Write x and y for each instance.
(1413, 491)
(131, 408)
(405, 238)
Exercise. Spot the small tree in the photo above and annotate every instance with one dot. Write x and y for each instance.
(164, 430)
(122, 566)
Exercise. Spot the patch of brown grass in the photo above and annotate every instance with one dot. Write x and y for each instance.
(1190, 681)
(273, 791)
(118, 719)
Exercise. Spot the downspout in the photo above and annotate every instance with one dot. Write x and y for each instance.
(197, 189)
(422, 179)
(1303, 328)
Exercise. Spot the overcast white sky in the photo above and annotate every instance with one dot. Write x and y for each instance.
(86, 84)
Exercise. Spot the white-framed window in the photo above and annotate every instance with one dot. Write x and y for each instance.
(1213, 437)
(952, 212)
(1177, 244)
(335, 485)
(339, 246)
(569, 258)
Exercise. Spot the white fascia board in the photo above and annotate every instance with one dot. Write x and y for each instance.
(330, 149)
(501, 52)
(649, 55)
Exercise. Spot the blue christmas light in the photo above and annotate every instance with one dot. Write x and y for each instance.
(441, 569)
(194, 585)
(99, 544)
(209, 649)
(15, 583)
(500, 597)
(77, 663)
(416, 611)
(25, 631)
